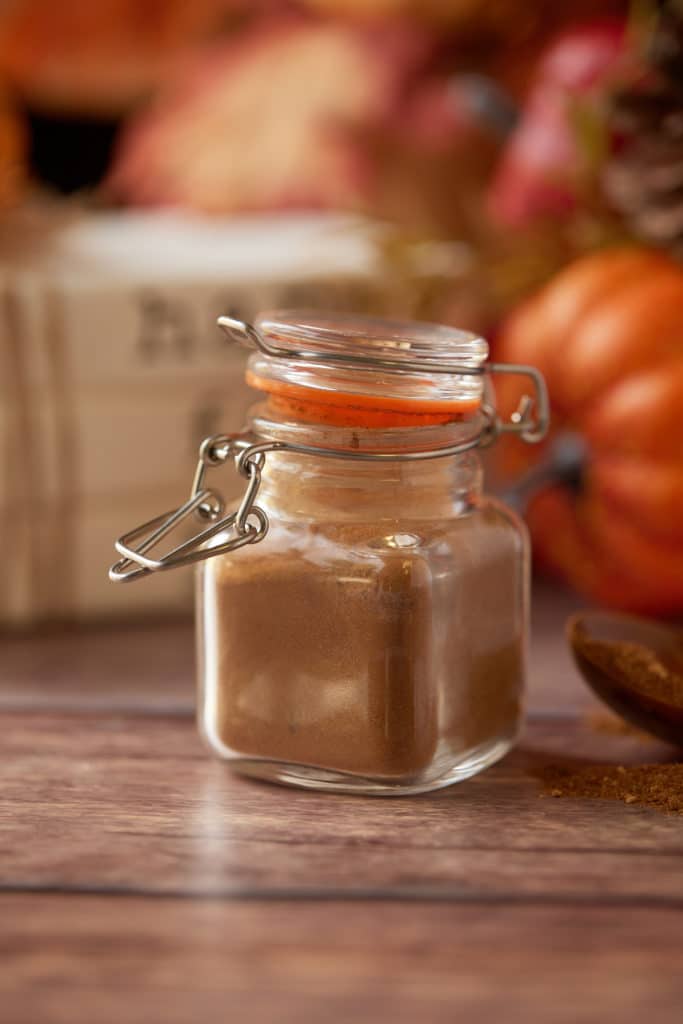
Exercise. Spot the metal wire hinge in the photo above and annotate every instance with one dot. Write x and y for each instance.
(248, 524)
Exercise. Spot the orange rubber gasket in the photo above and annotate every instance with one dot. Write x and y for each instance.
(347, 410)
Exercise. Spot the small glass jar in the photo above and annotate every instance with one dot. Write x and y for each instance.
(369, 634)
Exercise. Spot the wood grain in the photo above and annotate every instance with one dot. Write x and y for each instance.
(91, 959)
(147, 668)
(134, 804)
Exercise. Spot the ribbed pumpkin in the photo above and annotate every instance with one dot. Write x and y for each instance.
(607, 332)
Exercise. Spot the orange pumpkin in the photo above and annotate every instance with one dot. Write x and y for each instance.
(607, 333)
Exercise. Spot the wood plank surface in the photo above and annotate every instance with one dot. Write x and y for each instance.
(140, 880)
(72, 959)
(147, 668)
(135, 805)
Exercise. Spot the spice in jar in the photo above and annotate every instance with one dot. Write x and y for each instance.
(387, 661)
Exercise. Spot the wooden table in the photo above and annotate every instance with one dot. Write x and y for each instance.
(140, 881)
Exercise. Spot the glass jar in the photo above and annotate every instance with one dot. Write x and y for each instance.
(369, 634)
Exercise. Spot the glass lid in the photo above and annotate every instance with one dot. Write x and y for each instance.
(365, 339)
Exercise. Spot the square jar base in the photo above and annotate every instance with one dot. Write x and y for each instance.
(434, 778)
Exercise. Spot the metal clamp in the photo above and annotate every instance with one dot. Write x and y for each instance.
(248, 524)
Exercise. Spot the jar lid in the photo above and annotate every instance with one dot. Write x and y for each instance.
(367, 371)
(341, 365)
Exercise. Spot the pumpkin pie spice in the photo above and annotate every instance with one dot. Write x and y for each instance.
(342, 669)
(637, 667)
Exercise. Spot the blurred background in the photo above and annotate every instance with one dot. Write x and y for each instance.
(511, 167)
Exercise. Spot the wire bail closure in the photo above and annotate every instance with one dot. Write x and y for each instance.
(248, 524)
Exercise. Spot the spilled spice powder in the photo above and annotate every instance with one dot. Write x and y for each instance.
(659, 786)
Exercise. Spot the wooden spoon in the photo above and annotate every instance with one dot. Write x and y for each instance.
(635, 666)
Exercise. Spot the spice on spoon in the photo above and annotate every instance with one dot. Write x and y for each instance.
(635, 666)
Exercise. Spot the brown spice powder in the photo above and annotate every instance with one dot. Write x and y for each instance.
(659, 786)
(637, 667)
(338, 651)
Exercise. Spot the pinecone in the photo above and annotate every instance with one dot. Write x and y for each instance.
(644, 176)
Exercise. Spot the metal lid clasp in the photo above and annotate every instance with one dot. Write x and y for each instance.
(248, 524)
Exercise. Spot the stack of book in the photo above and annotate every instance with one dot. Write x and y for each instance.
(112, 371)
